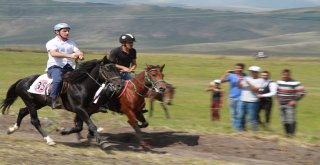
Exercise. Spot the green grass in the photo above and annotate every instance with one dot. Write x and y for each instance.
(191, 75)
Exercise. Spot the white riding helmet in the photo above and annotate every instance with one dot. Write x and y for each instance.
(60, 26)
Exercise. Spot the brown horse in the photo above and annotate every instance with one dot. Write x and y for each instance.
(132, 99)
(165, 99)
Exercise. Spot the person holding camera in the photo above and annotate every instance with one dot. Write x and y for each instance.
(232, 76)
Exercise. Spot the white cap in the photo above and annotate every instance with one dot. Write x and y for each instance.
(254, 68)
(215, 82)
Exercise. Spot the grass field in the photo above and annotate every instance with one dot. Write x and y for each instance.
(191, 75)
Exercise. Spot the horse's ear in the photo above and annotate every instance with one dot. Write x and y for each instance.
(147, 67)
(105, 60)
(161, 68)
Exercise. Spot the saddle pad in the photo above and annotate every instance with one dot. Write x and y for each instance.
(41, 85)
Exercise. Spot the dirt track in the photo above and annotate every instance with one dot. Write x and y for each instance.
(167, 147)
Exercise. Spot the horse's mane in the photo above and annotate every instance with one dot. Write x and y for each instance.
(154, 66)
(80, 74)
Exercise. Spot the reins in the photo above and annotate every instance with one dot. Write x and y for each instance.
(146, 78)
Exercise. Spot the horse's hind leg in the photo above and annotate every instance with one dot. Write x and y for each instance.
(36, 123)
(22, 113)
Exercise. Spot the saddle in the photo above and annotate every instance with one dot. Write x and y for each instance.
(42, 85)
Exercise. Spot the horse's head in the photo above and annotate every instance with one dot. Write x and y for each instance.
(154, 78)
(110, 74)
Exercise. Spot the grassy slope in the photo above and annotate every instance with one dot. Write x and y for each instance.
(97, 26)
(191, 74)
(294, 44)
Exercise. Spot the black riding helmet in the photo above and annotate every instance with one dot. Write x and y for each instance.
(124, 38)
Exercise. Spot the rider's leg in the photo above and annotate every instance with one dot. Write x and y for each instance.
(105, 94)
(55, 73)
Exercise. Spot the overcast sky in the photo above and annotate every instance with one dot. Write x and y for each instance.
(269, 4)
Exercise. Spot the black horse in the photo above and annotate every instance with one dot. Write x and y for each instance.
(78, 98)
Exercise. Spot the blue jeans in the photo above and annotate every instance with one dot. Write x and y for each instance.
(250, 108)
(125, 76)
(55, 72)
(234, 108)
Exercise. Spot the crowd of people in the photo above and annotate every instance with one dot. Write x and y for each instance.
(251, 94)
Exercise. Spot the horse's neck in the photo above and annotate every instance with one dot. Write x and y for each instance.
(92, 80)
(139, 82)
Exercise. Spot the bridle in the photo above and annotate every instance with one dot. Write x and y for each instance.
(105, 76)
(153, 83)
(147, 79)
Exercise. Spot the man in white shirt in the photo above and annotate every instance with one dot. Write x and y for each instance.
(268, 89)
(249, 102)
(61, 52)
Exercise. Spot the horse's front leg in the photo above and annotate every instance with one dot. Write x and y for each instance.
(84, 116)
(78, 127)
(165, 108)
(151, 107)
(134, 124)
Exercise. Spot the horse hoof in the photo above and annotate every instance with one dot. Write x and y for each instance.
(100, 129)
(52, 143)
(83, 140)
(144, 125)
(12, 129)
(64, 131)
(105, 145)
(9, 132)
(145, 145)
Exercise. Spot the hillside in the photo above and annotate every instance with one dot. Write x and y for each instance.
(160, 29)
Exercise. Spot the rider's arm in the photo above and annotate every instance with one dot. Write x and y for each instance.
(133, 64)
(54, 53)
(81, 54)
(122, 68)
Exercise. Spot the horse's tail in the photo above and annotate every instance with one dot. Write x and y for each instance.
(11, 97)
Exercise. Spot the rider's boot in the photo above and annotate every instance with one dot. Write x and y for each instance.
(103, 108)
(144, 110)
(55, 104)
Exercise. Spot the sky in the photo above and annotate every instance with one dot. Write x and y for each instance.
(258, 4)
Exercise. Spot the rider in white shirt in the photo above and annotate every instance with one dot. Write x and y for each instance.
(61, 52)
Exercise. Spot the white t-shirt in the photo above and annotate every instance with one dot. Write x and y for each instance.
(66, 47)
(247, 94)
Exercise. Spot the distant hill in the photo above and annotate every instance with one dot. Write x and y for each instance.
(28, 24)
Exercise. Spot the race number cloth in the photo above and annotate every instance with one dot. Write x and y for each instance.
(41, 85)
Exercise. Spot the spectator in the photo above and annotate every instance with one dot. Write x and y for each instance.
(289, 93)
(249, 103)
(232, 76)
(268, 89)
(216, 100)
